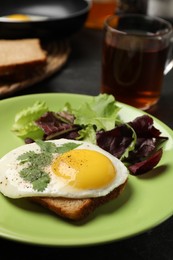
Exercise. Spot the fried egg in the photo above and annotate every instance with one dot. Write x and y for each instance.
(22, 18)
(60, 168)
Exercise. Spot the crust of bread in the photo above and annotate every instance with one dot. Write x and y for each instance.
(76, 209)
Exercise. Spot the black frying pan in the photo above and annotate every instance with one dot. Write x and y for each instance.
(65, 17)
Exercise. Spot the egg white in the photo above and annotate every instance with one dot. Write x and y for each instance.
(14, 186)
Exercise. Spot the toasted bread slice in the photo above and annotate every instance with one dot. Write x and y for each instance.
(77, 209)
(19, 55)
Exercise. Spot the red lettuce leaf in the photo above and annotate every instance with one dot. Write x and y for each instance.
(58, 125)
(143, 126)
(115, 141)
(147, 151)
(146, 165)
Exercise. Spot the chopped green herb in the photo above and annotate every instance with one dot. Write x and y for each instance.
(67, 147)
(47, 147)
(50, 147)
(41, 183)
(36, 159)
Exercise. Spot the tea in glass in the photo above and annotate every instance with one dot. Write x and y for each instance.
(135, 51)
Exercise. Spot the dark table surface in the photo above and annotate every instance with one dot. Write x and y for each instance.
(81, 74)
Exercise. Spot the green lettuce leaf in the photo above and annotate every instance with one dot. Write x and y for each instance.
(24, 125)
(101, 113)
(88, 134)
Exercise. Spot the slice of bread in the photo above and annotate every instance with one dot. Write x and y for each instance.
(20, 55)
(77, 209)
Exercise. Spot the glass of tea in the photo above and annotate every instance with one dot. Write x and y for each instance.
(135, 55)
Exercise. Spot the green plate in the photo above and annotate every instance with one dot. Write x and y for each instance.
(145, 203)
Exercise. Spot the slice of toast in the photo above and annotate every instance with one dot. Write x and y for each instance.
(20, 55)
(76, 209)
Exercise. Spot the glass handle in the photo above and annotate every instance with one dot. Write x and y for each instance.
(169, 63)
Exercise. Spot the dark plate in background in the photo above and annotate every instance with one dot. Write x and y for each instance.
(65, 17)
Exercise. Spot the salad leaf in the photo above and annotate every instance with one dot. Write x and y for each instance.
(38, 122)
(24, 123)
(146, 165)
(138, 143)
(101, 112)
(88, 134)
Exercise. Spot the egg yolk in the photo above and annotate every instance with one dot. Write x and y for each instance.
(84, 169)
(20, 17)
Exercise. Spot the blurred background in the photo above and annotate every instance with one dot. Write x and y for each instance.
(102, 8)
